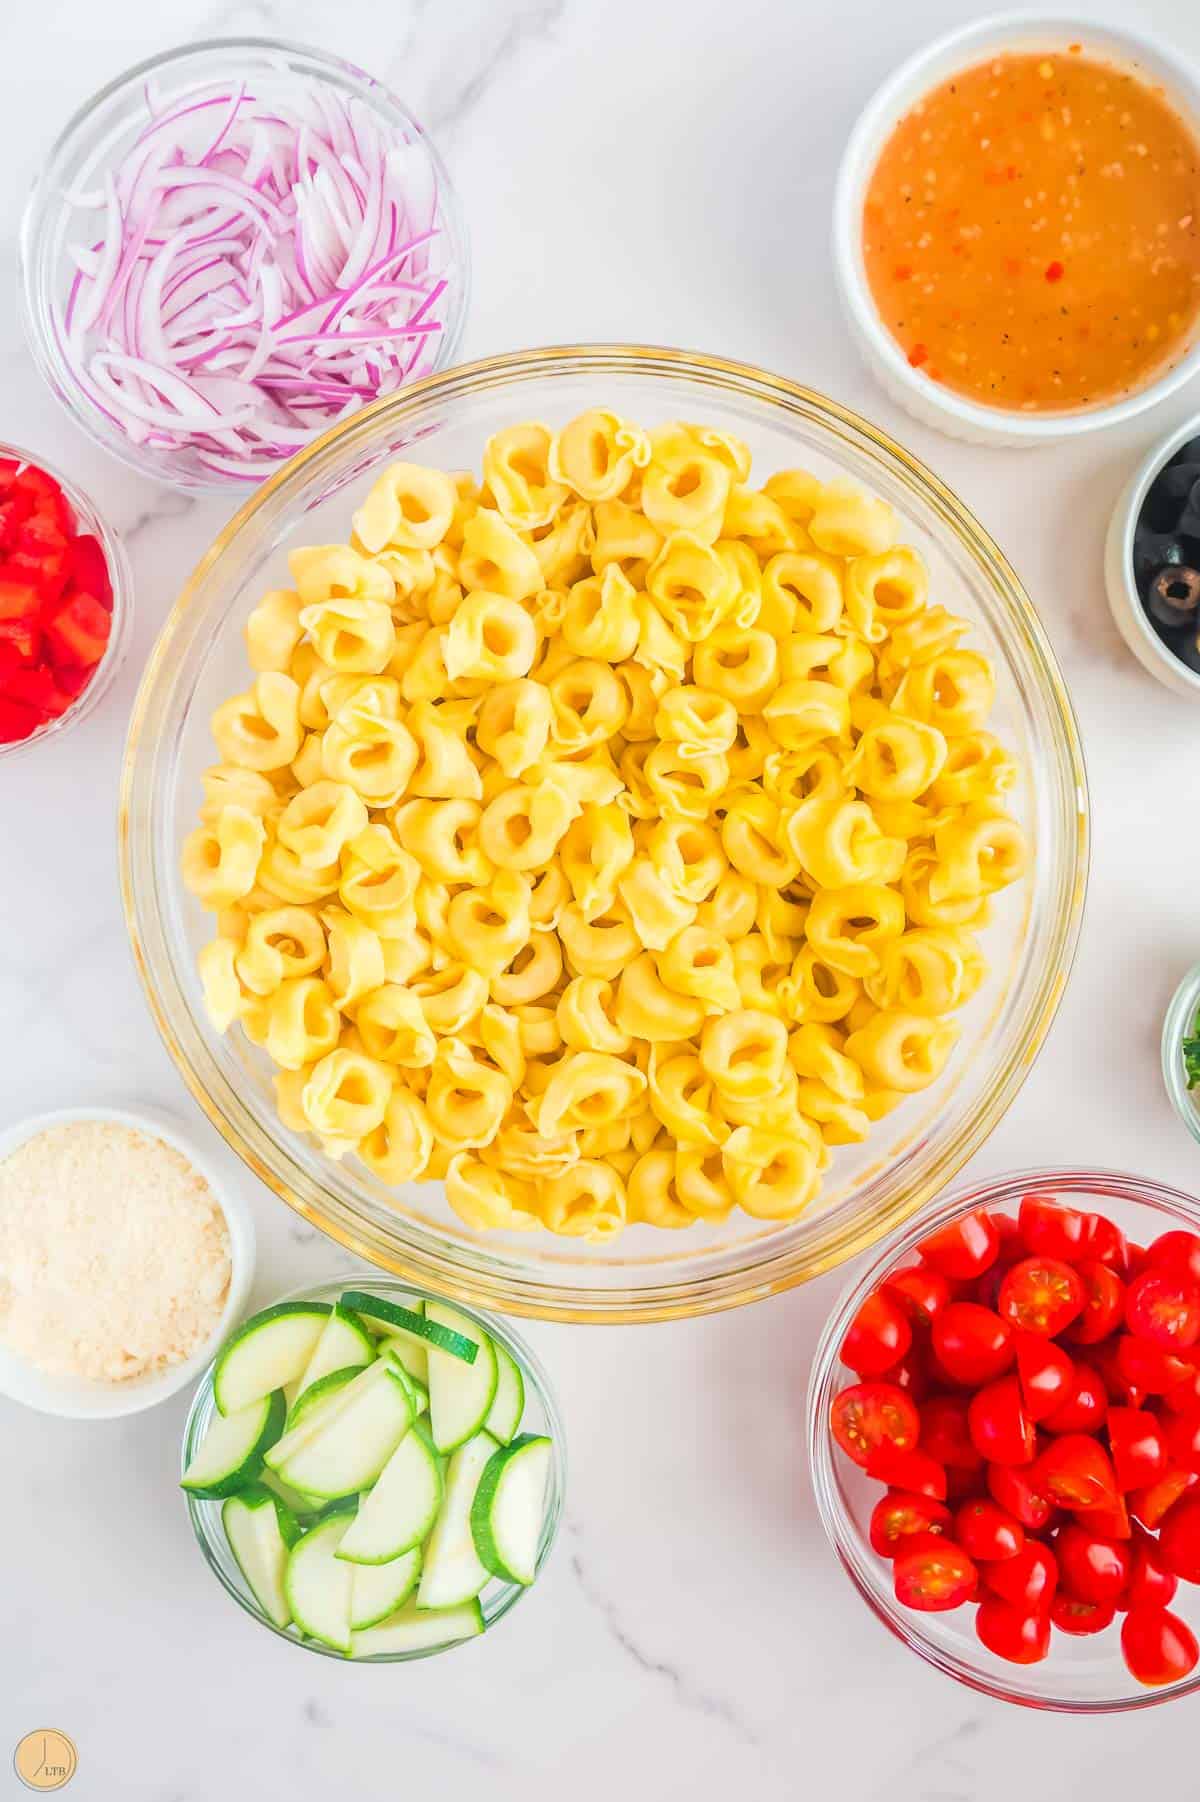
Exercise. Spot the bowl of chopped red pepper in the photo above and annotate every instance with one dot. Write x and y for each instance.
(1004, 1424)
(64, 602)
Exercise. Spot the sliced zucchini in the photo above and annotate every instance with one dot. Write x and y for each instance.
(460, 1395)
(349, 1449)
(345, 1344)
(325, 1409)
(300, 1505)
(407, 1350)
(379, 1589)
(390, 1348)
(311, 1398)
(401, 1508)
(421, 1326)
(316, 1587)
(231, 1453)
(453, 1571)
(508, 1403)
(267, 1352)
(261, 1530)
(506, 1514)
(419, 1630)
(414, 1303)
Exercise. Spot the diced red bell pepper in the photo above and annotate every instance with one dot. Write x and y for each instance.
(19, 599)
(88, 569)
(48, 498)
(24, 636)
(14, 511)
(77, 630)
(8, 469)
(32, 687)
(17, 721)
(71, 679)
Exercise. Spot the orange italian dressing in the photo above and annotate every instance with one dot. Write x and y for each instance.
(1032, 233)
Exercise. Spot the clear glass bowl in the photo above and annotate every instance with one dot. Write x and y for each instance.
(121, 578)
(541, 1416)
(649, 1273)
(1080, 1676)
(95, 138)
(1178, 1025)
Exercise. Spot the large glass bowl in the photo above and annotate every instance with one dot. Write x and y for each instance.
(649, 1274)
(497, 1596)
(1080, 1675)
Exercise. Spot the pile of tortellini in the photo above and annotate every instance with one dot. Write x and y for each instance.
(607, 839)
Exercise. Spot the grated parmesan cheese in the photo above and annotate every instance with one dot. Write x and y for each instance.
(114, 1253)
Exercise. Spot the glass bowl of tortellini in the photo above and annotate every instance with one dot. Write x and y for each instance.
(604, 834)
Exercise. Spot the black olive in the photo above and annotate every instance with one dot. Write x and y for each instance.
(1188, 525)
(1188, 453)
(1168, 495)
(1174, 596)
(1187, 649)
(1151, 552)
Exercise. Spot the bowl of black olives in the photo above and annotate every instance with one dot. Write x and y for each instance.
(1152, 561)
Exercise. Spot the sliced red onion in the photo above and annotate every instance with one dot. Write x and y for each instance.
(269, 257)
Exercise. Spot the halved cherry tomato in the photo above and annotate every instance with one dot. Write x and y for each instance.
(911, 1373)
(865, 1416)
(1092, 1568)
(1151, 1505)
(915, 1471)
(1106, 1243)
(1182, 1435)
(1077, 1472)
(946, 1435)
(1106, 1360)
(933, 1574)
(1103, 1306)
(1000, 1429)
(1178, 1252)
(1138, 1445)
(1179, 1541)
(1085, 1407)
(966, 1485)
(1027, 1580)
(1050, 1228)
(1151, 1368)
(878, 1335)
(988, 1531)
(1010, 1245)
(1071, 1614)
(1012, 1633)
(1109, 1521)
(964, 1248)
(1018, 1489)
(1147, 1583)
(972, 1344)
(1046, 1374)
(924, 1292)
(1158, 1647)
(1164, 1308)
(900, 1515)
(1041, 1295)
(1182, 1398)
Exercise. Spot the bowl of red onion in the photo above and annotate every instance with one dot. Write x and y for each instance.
(232, 248)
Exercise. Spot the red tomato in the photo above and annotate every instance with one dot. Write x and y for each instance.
(945, 1434)
(1076, 1472)
(1178, 1252)
(1027, 1580)
(1106, 1244)
(1158, 1646)
(1008, 1233)
(932, 1574)
(899, 1515)
(1085, 1407)
(1106, 1359)
(1179, 1541)
(921, 1291)
(1013, 1633)
(1147, 1583)
(1139, 1447)
(868, 1415)
(1019, 1491)
(1046, 1373)
(988, 1531)
(878, 1335)
(963, 1249)
(911, 1373)
(1151, 1505)
(1184, 1397)
(1073, 1615)
(973, 1345)
(1183, 1442)
(1109, 1521)
(1041, 1295)
(1050, 1228)
(1094, 1569)
(1148, 1367)
(1164, 1308)
(912, 1470)
(966, 1485)
(1000, 1429)
(1103, 1306)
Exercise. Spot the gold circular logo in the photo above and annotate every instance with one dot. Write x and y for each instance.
(45, 1759)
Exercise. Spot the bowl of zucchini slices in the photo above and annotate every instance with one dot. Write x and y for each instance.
(374, 1474)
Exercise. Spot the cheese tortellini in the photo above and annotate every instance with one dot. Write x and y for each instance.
(608, 840)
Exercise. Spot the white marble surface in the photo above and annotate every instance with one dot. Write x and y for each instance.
(657, 171)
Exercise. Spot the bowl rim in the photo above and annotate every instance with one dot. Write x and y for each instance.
(681, 1297)
(117, 1401)
(1181, 1011)
(916, 75)
(77, 402)
(1176, 1206)
(200, 1508)
(1119, 583)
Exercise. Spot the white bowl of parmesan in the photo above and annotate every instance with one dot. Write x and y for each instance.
(124, 1261)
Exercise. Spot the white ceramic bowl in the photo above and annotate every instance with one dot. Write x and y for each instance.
(928, 401)
(1123, 598)
(78, 1400)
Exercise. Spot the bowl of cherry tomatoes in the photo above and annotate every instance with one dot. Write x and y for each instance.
(1004, 1428)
